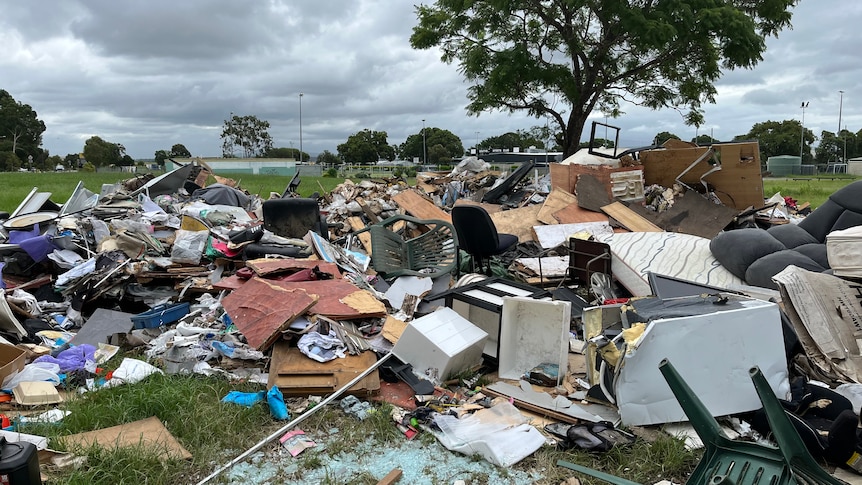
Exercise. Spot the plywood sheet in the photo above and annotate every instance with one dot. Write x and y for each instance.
(261, 309)
(738, 184)
(149, 433)
(420, 207)
(356, 224)
(556, 200)
(554, 235)
(274, 266)
(339, 299)
(490, 208)
(296, 374)
(630, 219)
(592, 195)
(690, 214)
(566, 176)
(573, 214)
(519, 222)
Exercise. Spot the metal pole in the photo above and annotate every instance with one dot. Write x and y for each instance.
(300, 127)
(477, 144)
(296, 421)
(424, 151)
(802, 135)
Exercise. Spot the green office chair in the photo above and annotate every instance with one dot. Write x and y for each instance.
(732, 462)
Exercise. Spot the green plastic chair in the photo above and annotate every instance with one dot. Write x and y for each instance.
(432, 253)
(732, 462)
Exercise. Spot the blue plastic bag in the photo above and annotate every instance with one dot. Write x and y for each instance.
(247, 399)
(277, 408)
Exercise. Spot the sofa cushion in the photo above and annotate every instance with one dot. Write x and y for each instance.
(815, 251)
(736, 250)
(760, 272)
(792, 235)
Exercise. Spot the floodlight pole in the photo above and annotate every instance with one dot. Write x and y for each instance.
(477, 144)
(802, 135)
(424, 151)
(300, 127)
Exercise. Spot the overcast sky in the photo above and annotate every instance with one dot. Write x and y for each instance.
(152, 74)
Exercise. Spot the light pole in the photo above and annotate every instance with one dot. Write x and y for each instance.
(300, 127)
(424, 152)
(477, 144)
(802, 135)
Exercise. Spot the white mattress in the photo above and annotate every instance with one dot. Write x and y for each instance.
(673, 254)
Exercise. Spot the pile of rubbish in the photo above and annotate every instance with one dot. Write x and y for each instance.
(611, 275)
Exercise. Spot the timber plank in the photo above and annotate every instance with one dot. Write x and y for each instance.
(629, 218)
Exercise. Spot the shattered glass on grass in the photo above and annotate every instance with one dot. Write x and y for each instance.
(421, 464)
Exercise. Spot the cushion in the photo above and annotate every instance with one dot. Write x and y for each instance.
(736, 250)
(760, 272)
(792, 235)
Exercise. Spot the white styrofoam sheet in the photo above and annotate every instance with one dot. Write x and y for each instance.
(713, 353)
(533, 332)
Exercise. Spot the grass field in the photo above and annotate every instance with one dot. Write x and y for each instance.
(15, 186)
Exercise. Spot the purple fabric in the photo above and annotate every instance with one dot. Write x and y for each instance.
(71, 359)
(38, 247)
(15, 237)
(2, 283)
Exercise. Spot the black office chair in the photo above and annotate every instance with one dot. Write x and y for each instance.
(478, 236)
(293, 217)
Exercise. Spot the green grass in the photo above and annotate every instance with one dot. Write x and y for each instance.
(815, 190)
(14, 186)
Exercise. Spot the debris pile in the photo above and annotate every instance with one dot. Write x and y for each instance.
(608, 272)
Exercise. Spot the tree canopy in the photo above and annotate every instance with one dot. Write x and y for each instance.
(328, 158)
(283, 152)
(366, 146)
(838, 148)
(508, 141)
(248, 133)
(179, 150)
(781, 138)
(564, 59)
(20, 128)
(103, 153)
(664, 136)
(449, 142)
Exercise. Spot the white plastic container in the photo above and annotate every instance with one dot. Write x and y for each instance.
(440, 345)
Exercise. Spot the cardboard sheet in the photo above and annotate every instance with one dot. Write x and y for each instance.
(149, 433)
(826, 313)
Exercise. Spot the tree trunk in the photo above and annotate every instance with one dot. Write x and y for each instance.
(572, 133)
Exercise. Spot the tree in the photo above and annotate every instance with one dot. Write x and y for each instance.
(664, 136)
(180, 151)
(780, 138)
(161, 156)
(413, 145)
(703, 140)
(71, 161)
(20, 128)
(327, 158)
(366, 146)
(507, 141)
(536, 55)
(248, 133)
(285, 153)
(597, 143)
(9, 162)
(101, 153)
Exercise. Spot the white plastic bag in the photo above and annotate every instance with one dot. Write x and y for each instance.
(189, 246)
(35, 372)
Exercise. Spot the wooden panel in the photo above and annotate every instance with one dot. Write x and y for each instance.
(573, 214)
(630, 219)
(738, 184)
(565, 177)
(519, 222)
(295, 374)
(356, 224)
(556, 200)
(420, 207)
(261, 309)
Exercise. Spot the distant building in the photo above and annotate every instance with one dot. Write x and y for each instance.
(264, 166)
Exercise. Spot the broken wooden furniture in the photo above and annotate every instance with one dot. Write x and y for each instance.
(395, 252)
(478, 236)
(756, 255)
(727, 461)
